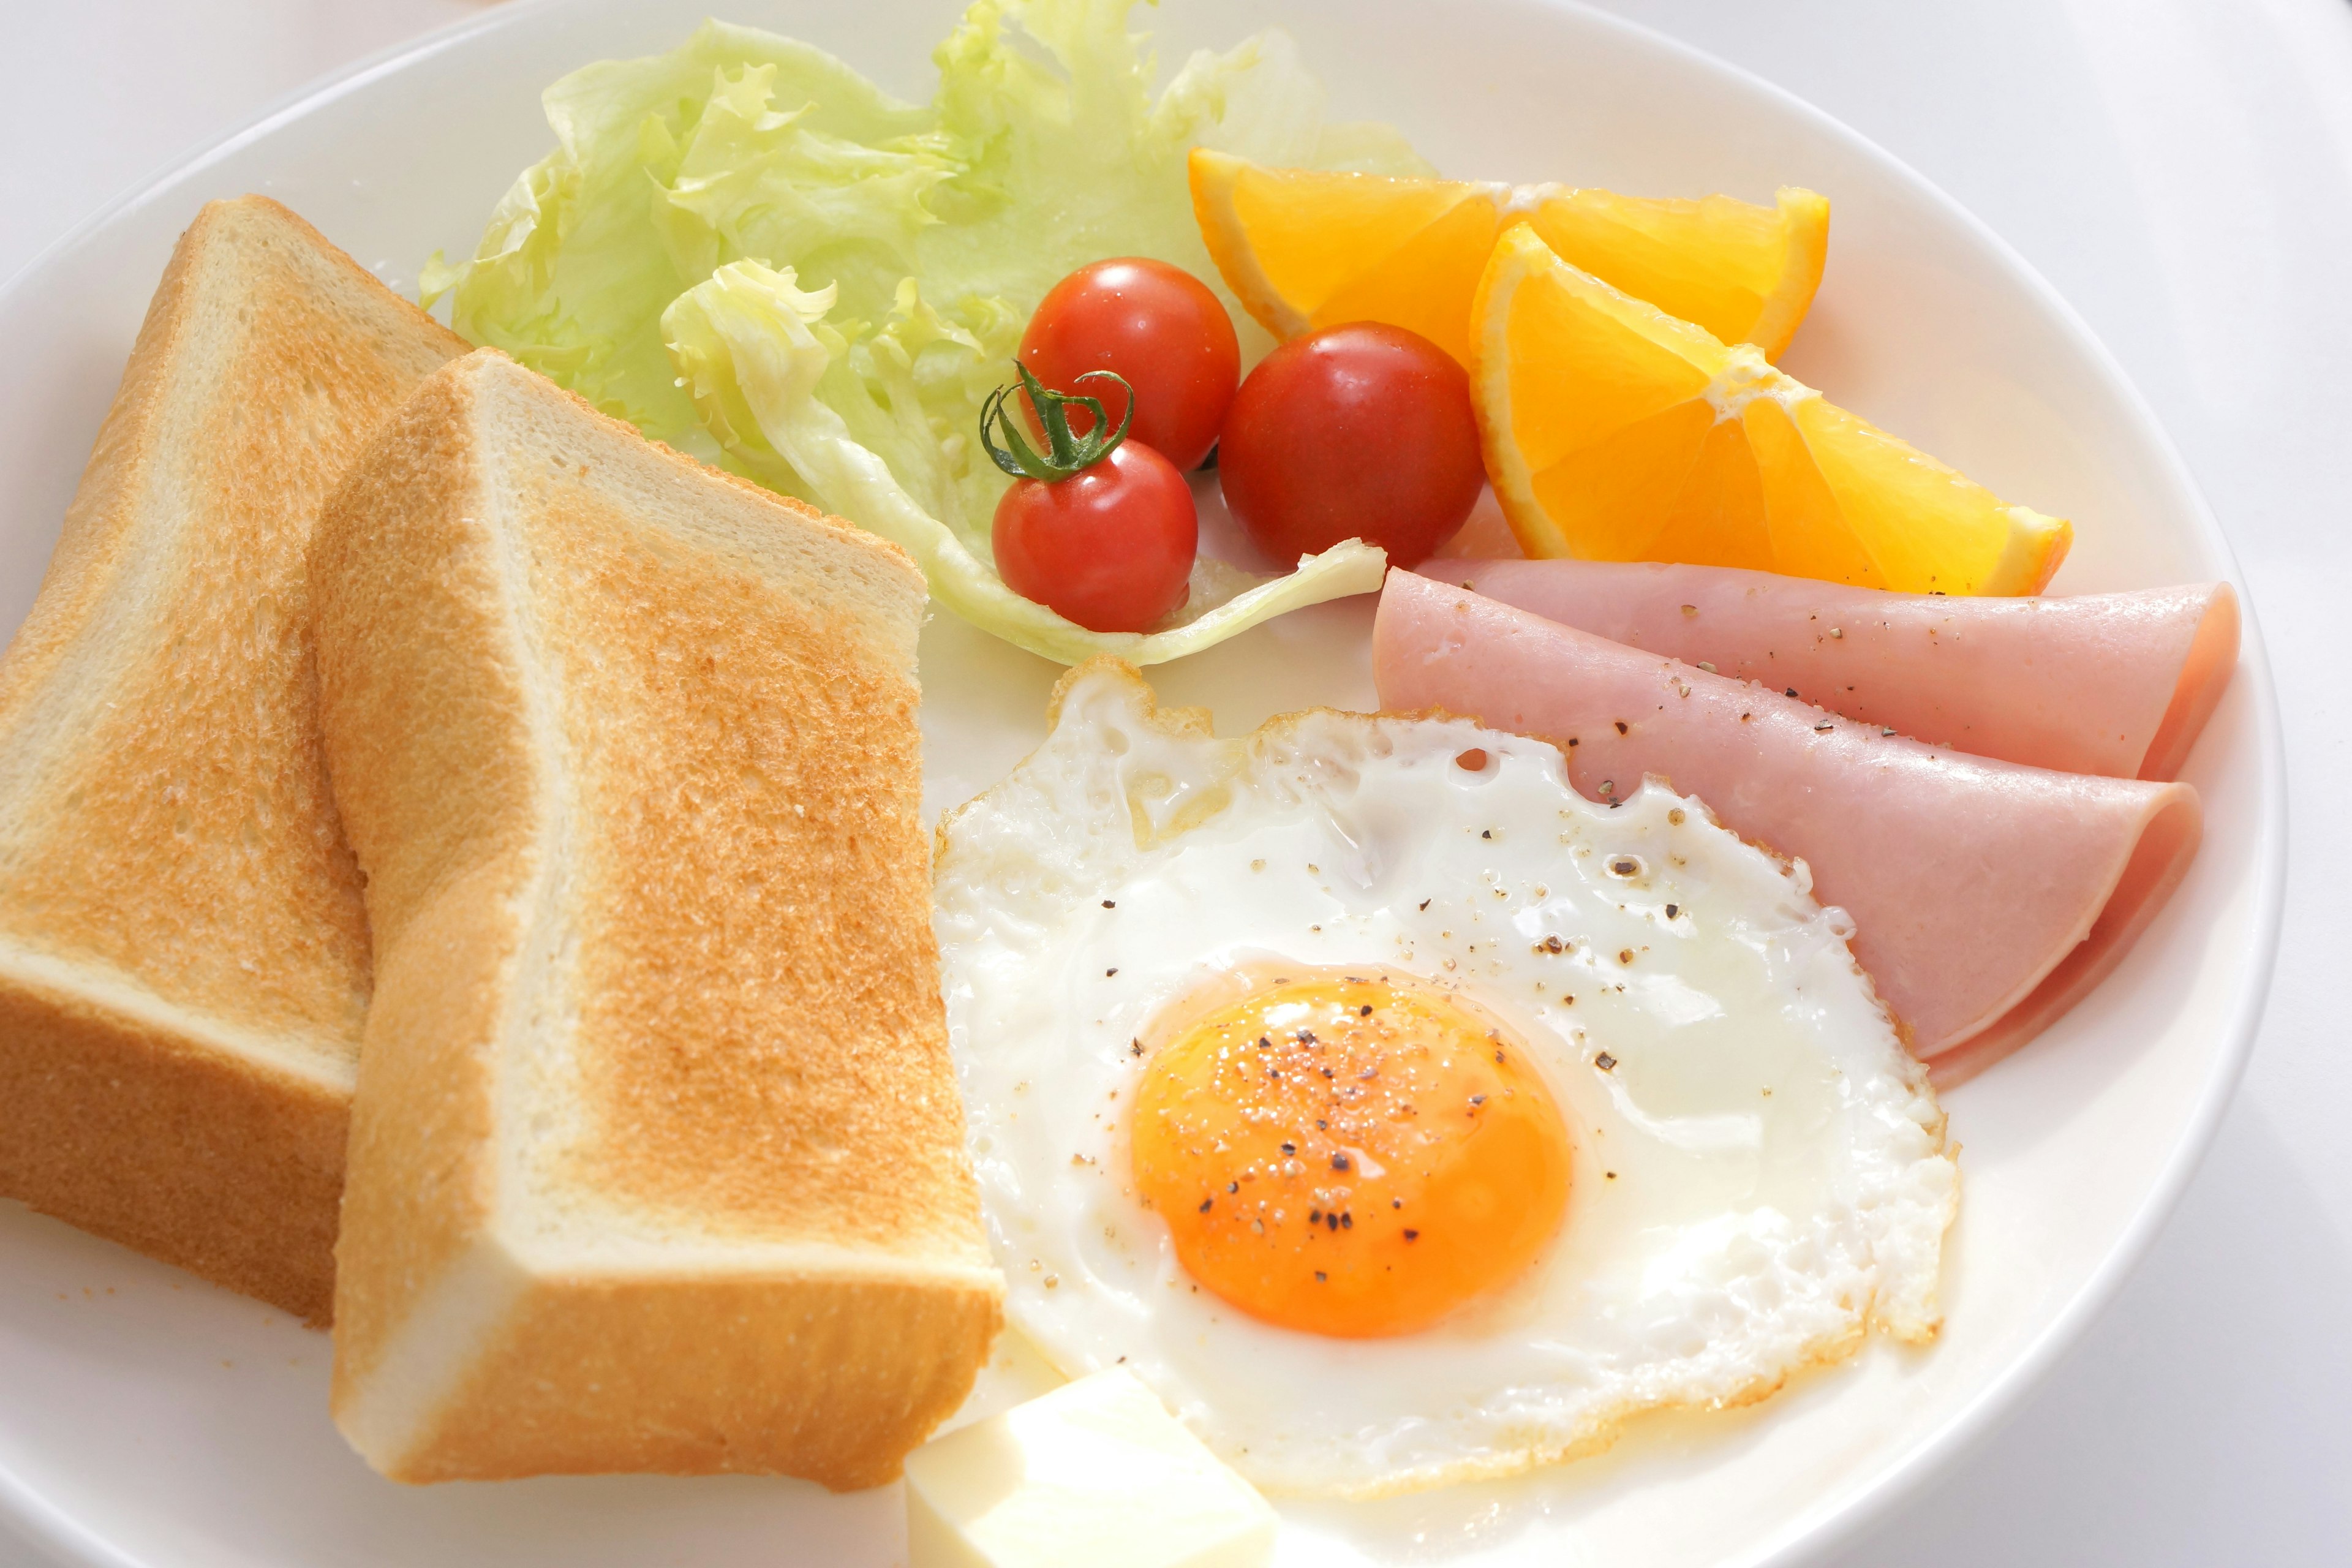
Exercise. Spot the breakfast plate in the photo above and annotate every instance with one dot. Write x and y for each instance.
(148, 1418)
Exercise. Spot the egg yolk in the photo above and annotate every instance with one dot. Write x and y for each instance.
(1347, 1156)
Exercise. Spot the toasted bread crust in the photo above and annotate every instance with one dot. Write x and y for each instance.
(192, 1154)
(435, 784)
(658, 1158)
(166, 832)
(874, 1366)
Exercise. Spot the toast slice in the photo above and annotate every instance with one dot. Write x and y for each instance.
(657, 1160)
(184, 957)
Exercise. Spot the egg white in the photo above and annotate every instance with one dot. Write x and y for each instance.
(1760, 1172)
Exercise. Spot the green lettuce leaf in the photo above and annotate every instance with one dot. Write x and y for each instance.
(930, 232)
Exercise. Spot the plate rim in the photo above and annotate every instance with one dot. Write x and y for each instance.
(1834, 1520)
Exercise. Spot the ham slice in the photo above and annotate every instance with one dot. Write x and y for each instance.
(2098, 683)
(1986, 897)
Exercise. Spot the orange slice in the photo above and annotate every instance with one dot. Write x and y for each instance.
(1614, 431)
(1304, 249)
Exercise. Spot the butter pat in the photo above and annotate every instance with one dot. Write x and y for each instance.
(1095, 1472)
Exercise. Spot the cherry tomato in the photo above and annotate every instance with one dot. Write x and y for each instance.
(1359, 431)
(1110, 547)
(1160, 327)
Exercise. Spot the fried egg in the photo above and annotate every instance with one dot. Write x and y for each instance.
(1399, 1115)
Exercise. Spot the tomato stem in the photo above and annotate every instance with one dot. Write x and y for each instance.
(1066, 453)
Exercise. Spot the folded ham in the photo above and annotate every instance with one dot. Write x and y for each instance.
(1986, 897)
(2098, 683)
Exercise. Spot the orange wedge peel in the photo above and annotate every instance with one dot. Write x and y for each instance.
(1304, 248)
(1614, 431)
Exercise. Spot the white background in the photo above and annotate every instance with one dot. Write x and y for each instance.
(2182, 171)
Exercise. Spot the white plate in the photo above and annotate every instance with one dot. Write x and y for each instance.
(147, 1418)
